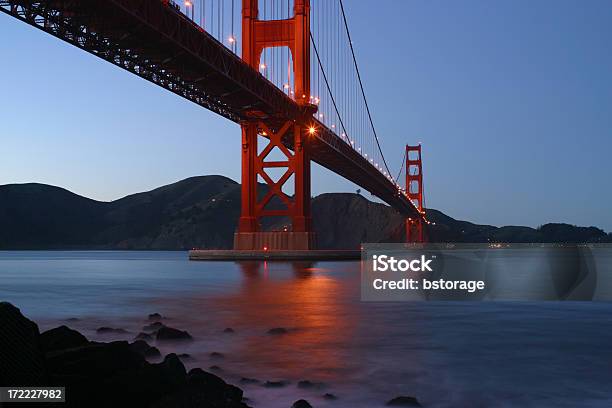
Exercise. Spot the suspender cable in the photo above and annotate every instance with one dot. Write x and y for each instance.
(327, 83)
(361, 85)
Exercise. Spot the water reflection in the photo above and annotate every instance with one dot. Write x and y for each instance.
(311, 306)
(448, 354)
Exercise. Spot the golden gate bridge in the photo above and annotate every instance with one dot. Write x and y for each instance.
(285, 70)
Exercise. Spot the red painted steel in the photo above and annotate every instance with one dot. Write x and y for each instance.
(415, 228)
(156, 42)
(256, 36)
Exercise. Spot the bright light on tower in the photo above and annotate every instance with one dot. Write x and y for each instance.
(312, 130)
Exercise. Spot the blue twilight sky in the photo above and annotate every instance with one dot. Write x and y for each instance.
(512, 101)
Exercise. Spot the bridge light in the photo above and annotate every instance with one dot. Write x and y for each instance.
(286, 86)
(262, 66)
(317, 100)
(188, 3)
(231, 39)
(312, 130)
(320, 115)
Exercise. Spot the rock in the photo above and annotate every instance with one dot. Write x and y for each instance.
(278, 330)
(96, 360)
(143, 336)
(105, 330)
(246, 380)
(275, 384)
(228, 330)
(403, 401)
(217, 393)
(169, 333)
(173, 368)
(140, 346)
(301, 404)
(144, 349)
(153, 326)
(155, 317)
(185, 357)
(216, 355)
(61, 338)
(215, 368)
(21, 354)
(91, 369)
(309, 384)
(152, 352)
(329, 396)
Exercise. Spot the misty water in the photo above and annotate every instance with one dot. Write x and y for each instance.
(447, 354)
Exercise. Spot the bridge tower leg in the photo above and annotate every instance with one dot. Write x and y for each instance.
(415, 231)
(257, 35)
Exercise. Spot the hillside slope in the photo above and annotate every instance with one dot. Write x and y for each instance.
(202, 212)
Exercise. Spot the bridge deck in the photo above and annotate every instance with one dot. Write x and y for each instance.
(161, 45)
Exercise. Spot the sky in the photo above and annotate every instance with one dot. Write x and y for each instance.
(512, 101)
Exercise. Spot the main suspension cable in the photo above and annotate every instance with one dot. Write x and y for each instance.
(361, 85)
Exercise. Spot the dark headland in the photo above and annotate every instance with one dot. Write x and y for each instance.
(202, 212)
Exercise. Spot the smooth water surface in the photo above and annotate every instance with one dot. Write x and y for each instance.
(447, 354)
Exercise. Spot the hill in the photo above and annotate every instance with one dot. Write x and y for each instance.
(203, 212)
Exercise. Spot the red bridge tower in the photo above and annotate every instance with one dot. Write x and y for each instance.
(257, 35)
(415, 231)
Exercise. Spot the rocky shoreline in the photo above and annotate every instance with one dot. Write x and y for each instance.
(118, 373)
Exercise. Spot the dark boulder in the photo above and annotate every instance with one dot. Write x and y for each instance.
(91, 369)
(172, 369)
(169, 333)
(278, 330)
(403, 401)
(205, 390)
(216, 355)
(246, 380)
(301, 404)
(276, 384)
(306, 384)
(329, 396)
(21, 353)
(95, 360)
(143, 336)
(152, 353)
(61, 338)
(228, 330)
(185, 357)
(144, 349)
(105, 330)
(155, 317)
(153, 327)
